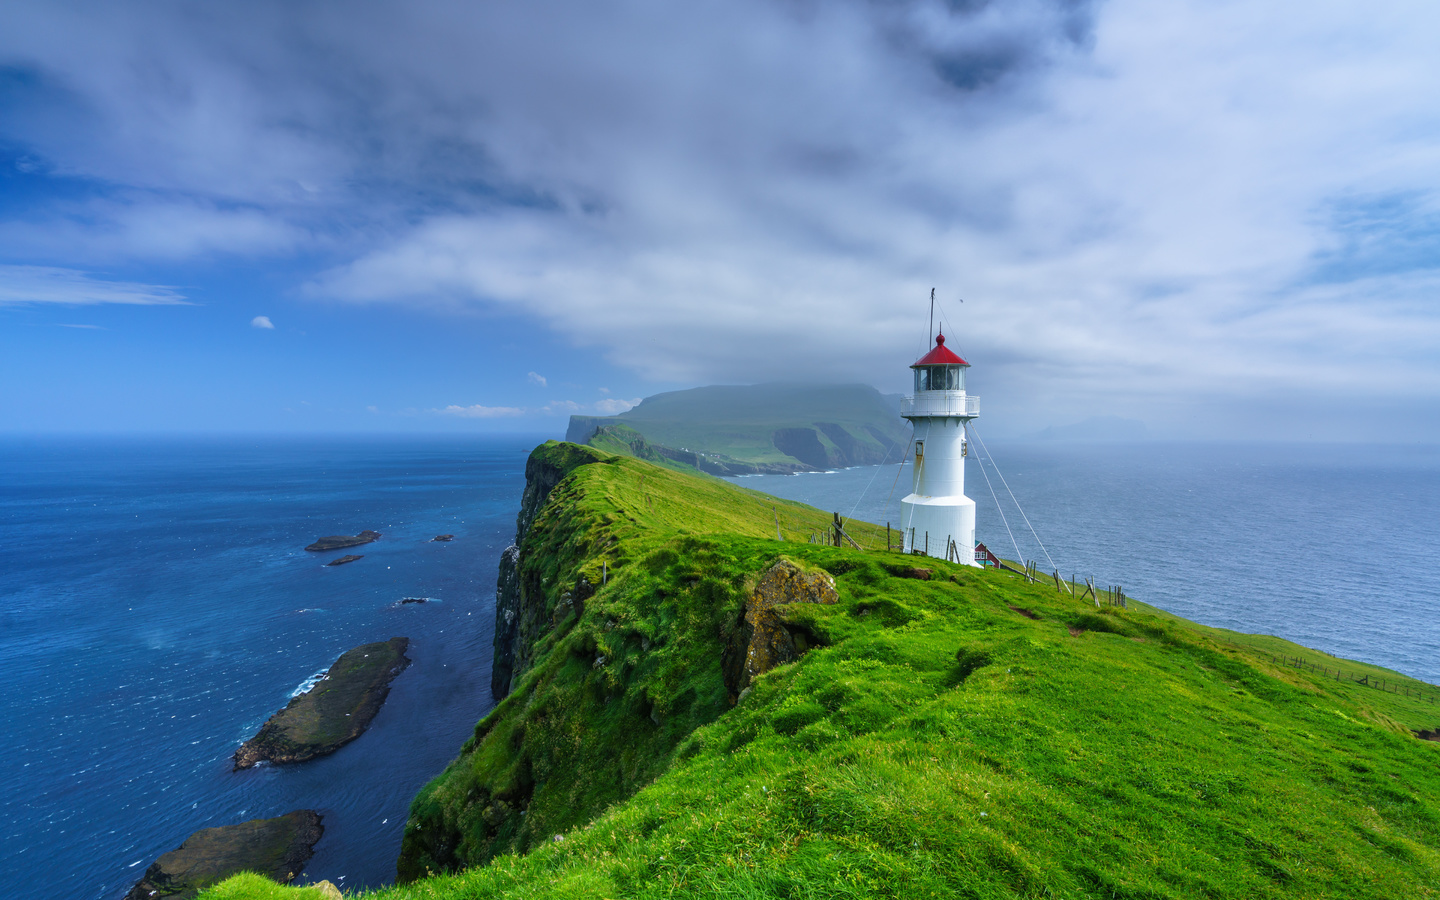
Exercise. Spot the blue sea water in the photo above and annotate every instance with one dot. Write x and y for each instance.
(1332, 546)
(157, 605)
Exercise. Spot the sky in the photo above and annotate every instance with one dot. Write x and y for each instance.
(1219, 218)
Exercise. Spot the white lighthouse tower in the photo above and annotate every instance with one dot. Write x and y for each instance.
(937, 512)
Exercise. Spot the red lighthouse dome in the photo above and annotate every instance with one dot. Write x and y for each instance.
(939, 355)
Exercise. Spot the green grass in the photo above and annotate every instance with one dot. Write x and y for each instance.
(937, 744)
(249, 886)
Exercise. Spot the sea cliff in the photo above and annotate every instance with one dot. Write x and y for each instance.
(520, 601)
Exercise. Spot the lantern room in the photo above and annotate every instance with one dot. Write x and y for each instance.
(940, 369)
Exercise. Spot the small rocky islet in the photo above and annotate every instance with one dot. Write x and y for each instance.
(341, 541)
(334, 712)
(442, 538)
(347, 558)
(278, 848)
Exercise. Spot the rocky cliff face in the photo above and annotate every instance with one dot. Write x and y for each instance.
(521, 606)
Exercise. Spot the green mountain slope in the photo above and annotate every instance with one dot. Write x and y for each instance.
(944, 731)
(737, 429)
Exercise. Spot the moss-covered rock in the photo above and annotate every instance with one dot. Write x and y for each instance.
(766, 637)
(277, 848)
(334, 712)
(341, 541)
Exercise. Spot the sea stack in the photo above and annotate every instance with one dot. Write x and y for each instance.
(341, 541)
(937, 518)
(334, 712)
(277, 848)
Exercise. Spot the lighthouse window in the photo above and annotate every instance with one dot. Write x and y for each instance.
(940, 378)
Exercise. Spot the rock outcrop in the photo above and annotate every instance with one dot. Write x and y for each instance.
(347, 558)
(278, 848)
(334, 712)
(341, 541)
(766, 636)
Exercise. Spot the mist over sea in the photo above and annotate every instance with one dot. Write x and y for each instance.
(157, 605)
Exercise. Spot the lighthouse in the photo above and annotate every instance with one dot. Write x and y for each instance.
(937, 518)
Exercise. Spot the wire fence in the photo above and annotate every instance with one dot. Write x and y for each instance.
(1402, 688)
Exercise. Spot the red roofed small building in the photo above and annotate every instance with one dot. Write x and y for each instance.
(937, 518)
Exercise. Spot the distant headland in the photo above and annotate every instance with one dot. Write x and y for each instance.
(754, 429)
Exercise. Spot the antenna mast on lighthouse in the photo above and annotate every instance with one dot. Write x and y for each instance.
(930, 338)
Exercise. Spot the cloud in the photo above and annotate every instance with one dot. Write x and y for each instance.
(47, 284)
(481, 412)
(1132, 202)
(87, 327)
(147, 226)
(606, 407)
(535, 378)
(1142, 204)
(262, 322)
(614, 406)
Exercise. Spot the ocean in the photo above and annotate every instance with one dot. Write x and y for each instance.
(157, 605)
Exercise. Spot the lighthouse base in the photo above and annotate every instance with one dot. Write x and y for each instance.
(932, 523)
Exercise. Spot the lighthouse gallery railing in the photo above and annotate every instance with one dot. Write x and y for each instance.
(940, 403)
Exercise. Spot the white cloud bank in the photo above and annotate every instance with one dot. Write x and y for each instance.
(262, 322)
(605, 407)
(481, 412)
(1147, 207)
(613, 406)
(48, 284)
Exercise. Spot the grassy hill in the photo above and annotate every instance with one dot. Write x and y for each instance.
(947, 732)
(737, 429)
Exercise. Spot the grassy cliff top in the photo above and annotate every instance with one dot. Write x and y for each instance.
(968, 735)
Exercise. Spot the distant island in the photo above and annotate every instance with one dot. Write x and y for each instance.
(754, 429)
